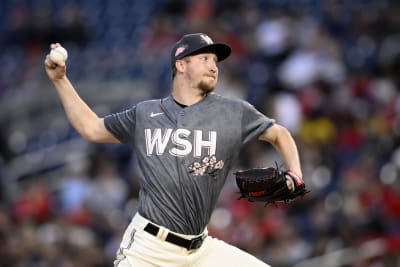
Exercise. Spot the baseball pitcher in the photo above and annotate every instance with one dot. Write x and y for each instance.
(186, 144)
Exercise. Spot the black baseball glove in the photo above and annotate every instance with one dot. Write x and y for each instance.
(269, 185)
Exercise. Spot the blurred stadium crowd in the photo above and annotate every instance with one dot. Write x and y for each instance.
(327, 70)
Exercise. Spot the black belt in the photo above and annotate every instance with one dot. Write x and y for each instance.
(194, 243)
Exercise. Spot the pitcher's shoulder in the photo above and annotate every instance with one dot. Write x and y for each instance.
(227, 100)
(148, 103)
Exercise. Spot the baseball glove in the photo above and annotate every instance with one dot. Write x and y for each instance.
(269, 185)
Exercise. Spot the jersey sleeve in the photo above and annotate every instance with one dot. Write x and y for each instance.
(253, 122)
(122, 125)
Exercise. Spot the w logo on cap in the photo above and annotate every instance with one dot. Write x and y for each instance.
(206, 39)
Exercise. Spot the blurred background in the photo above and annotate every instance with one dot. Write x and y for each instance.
(327, 70)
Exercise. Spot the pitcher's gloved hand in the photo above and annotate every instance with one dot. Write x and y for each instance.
(269, 185)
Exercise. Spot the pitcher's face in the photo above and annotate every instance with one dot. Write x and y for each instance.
(202, 71)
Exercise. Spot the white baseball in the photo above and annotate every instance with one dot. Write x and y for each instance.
(58, 54)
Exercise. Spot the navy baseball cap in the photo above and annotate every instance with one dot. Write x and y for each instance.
(195, 42)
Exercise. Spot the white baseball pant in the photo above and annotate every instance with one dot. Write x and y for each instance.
(140, 248)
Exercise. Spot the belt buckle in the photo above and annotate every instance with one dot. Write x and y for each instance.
(196, 242)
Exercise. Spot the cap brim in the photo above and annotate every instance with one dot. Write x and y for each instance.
(221, 50)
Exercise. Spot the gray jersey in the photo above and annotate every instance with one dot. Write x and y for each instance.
(185, 154)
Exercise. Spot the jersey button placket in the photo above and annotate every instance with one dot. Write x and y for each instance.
(181, 119)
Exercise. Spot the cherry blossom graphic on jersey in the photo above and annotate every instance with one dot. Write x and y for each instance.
(208, 165)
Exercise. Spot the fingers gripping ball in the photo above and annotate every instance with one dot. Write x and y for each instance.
(58, 54)
(269, 185)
